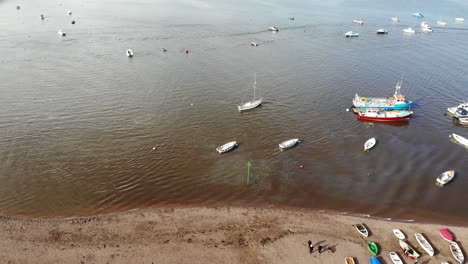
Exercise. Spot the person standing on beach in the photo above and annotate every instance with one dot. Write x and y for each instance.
(311, 247)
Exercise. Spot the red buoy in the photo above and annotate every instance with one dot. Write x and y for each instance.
(186, 51)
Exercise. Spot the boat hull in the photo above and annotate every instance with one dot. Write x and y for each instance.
(375, 260)
(445, 233)
(373, 249)
(383, 119)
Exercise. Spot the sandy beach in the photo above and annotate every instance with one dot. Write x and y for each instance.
(210, 235)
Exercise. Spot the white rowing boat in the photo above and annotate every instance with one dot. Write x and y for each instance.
(369, 144)
(408, 250)
(288, 143)
(362, 229)
(399, 234)
(445, 177)
(459, 139)
(424, 244)
(226, 147)
(129, 53)
(395, 258)
(456, 252)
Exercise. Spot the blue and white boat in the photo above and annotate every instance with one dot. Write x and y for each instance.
(396, 102)
(418, 15)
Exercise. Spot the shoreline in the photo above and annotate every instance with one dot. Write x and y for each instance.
(224, 234)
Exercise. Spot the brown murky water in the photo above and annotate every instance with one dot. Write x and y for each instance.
(79, 119)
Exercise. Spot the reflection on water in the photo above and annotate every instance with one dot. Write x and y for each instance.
(79, 120)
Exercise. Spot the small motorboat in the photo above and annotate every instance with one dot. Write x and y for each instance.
(370, 143)
(409, 31)
(288, 143)
(382, 31)
(382, 115)
(399, 234)
(69, 12)
(445, 177)
(441, 23)
(456, 252)
(458, 111)
(349, 260)
(459, 139)
(373, 248)
(374, 260)
(424, 244)
(395, 258)
(408, 250)
(459, 19)
(351, 34)
(445, 233)
(424, 24)
(226, 147)
(273, 29)
(418, 15)
(62, 33)
(255, 44)
(129, 53)
(359, 21)
(427, 29)
(362, 229)
(463, 120)
(395, 19)
(397, 101)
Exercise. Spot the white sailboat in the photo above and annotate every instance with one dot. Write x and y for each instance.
(253, 103)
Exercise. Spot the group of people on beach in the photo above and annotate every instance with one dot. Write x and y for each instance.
(320, 248)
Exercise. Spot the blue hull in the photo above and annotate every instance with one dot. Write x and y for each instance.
(395, 107)
(374, 260)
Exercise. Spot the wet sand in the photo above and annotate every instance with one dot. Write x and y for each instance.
(209, 235)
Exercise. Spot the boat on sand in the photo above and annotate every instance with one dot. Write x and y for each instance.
(424, 244)
(445, 233)
(349, 260)
(408, 250)
(395, 258)
(456, 252)
(375, 260)
(373, 248)
(399, 234)
(361, 229)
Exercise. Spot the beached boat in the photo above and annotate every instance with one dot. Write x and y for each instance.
(409, 31)
(351, 34)
(288, 143)
(129, 53)
(458, 111)
(459, 19)
(375, 260)
(358, 21)
(459, 139)
(463, 120)
(408, 250)
(373, 248)
(382, 31)
(424, 244)
(444, 262)
(395, 258)
(445, 177)
(361, 229)
(397, 101)
(253, 103)
(62, 33)
(399, 234)
(456, 252)
(441, 23)
(395, 19)
(380, 115)
(273, 29)
(255, 44)
(418, 15)
(226, 147)
(349, 260)
(445, 233)
(370, 143)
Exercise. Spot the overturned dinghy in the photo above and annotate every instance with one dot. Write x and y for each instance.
(129, 53)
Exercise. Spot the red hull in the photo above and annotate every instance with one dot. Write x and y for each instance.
(384, 119)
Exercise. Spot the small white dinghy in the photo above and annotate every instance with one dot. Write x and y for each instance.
(359, 21)
(369, 144)
(445, 177)
(395, 258)
(288, 143)
(459, 139)
(226, 147)
(255, 44)
(441, 23)
(424, 244)
(456, 252)
(399, 234)
(409, 31)
(129, 53)
(395, 19)
(361, 229)
(273, 29)
(459, 19)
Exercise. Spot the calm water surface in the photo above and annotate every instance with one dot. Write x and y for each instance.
(79, 119)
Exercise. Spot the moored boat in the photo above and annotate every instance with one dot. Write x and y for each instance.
(459, 19)
(463, 120)
(445, 177)
(445, 233)
(373, 248)
(399, 234)
(380, 115)
(408, 250)
(226, 147)
(375, 260)
(358, 21)
(441, 23)
(382, 31)
(427, 29)
(424, 24)
(418, 15)
(397, 101)
(349, 260)
(395, 258)
(129, 53)
(458, 111)
(409, 30)
(370, 143)
(351, 34)
(288, 143)
(395, 19)
(255, 44)
(424, 244)
(459, 139)
(456, 252)
(273, 29)
(361, 229)
(62, 33)
(253, 103)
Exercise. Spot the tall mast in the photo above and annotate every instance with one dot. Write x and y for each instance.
(255, 84)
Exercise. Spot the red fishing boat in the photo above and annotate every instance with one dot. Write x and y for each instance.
(381, 115)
